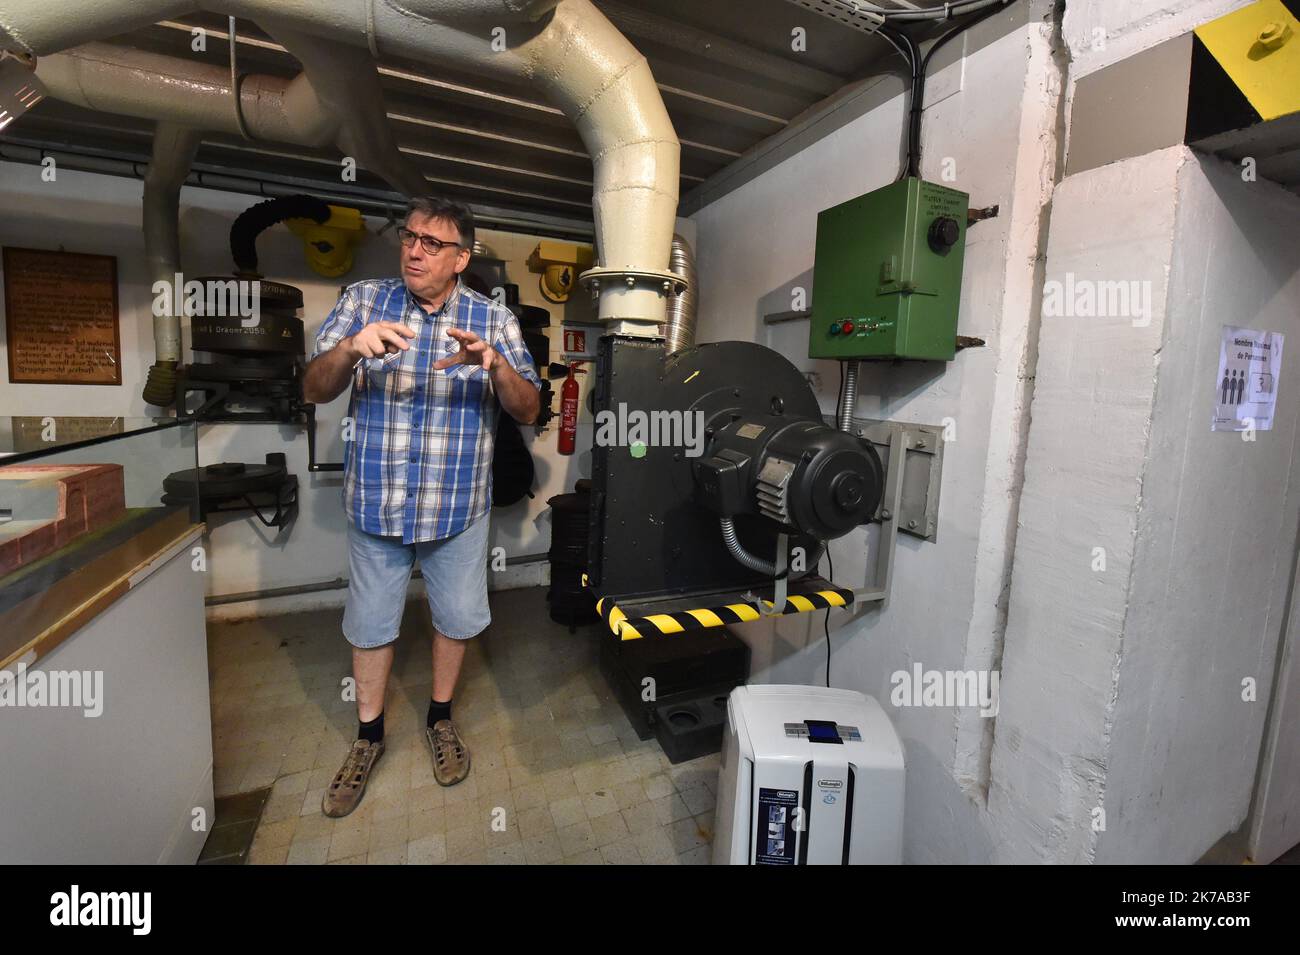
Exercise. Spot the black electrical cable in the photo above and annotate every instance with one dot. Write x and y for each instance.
(826, 622)
(860, 11)
(891, 37)
(912, 126)
(919, 70)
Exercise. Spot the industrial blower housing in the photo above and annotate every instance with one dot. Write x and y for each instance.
(763, 464)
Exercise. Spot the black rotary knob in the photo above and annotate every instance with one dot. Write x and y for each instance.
(944, 233)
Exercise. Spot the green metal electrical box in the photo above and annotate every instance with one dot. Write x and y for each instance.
(887, 277)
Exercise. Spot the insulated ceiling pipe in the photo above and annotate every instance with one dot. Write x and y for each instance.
(129, 82)
(586, 67)
(339, 85)
(175, 92)
(336, 100)
(346, 82)
(568, 49)
(174, 148)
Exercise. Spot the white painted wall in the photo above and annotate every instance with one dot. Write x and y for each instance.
(1123, 684)
(1275, 819)
(1099, 33)
(1102, 32)
(1087, 444)
(1216, 535)
(86, 212)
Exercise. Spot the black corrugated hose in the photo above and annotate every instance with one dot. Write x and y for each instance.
(254, 220)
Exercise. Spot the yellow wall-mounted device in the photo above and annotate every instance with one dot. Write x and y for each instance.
(559, 263)
(329, 244)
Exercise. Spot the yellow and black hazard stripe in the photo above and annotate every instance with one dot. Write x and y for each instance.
(634, 628)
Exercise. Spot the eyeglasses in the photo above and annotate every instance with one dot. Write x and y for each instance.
(427, 242)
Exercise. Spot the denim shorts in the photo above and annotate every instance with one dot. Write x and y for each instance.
(455, 580)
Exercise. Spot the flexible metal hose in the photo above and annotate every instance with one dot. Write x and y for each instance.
(679, 331)
(737, 551)
(758, 564)
(848, 396)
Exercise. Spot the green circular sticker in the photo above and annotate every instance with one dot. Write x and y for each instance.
(638, 449)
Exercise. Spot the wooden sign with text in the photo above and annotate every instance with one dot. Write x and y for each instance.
(61, 318)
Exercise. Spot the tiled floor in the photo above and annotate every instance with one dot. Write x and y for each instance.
(558, 775)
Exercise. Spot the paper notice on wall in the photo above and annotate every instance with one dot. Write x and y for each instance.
(1245, 391)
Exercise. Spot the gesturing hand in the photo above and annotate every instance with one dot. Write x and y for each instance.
(473, 351)
(378, 338)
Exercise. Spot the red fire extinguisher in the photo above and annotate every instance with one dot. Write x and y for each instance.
(569, 410)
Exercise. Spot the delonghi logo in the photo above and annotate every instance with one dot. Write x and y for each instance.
(830, 784)
(103, 908)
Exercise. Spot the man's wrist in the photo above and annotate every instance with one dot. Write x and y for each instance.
(349, 348)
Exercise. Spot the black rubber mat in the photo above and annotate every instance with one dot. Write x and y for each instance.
(232, 832)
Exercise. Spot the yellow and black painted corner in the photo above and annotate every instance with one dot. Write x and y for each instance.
(1245, 69)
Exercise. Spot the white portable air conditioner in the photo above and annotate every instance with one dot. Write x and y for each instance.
(809, 776)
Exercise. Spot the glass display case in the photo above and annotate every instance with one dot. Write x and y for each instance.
(81, 508)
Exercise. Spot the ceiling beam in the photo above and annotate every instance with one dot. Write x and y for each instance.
(717, 49)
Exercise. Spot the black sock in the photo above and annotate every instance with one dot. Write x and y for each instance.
(438, 711)
(372, 732)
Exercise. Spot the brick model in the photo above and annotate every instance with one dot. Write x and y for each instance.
(50, 505)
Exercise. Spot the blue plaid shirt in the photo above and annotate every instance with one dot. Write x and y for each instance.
(419, 466)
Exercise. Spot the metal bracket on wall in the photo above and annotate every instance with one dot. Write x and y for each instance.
(776, 606)
(912, 455)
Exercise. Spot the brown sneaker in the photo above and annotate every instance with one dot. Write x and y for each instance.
(349, 785)
(450, 754)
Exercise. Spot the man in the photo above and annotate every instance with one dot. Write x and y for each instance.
(427, 359)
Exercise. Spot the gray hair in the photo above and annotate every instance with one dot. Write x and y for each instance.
(457, 213)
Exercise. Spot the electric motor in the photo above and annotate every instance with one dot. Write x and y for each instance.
(802, 474)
